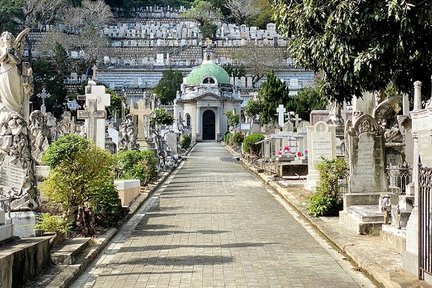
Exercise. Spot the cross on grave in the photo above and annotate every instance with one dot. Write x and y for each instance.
(141, 110)
(43, 95)
(91, 115)
(281, 115)
(103, 100)
(297, 120)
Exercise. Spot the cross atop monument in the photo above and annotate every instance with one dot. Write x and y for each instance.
(281, 115)
(141, 110)
(91, 115)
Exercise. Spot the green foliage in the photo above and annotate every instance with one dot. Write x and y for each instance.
(360, 45)
(162, 117)
(249, 143)
(50, 75)
(253, 108)
(136, 164)
(327, 200)
(52, 223)
(116, 103)
(233, 118)
(306, 100)
(81, 175)
(10, 14)
(227, 137)
(185, 141)
(208, 30)
(271, 93)
(206, 14)
(168, 86)
(234, 69)
(66, 148)
(237, 139)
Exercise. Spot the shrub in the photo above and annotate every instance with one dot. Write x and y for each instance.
(51, 223)
(227, 137)
(185, 141)
(249, 145)
(81, 177)
(237, 138)
(135, 164)
(327, 200)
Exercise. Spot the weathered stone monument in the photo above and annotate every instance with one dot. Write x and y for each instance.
(143, 113)
(97, 94)
(367, 177)
(17, 181)
(66, 125)
(39, 133)
(321, 140)
(92, 116)
(127, 135)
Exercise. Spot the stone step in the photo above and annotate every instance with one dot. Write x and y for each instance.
(68, 252)
(367, 213)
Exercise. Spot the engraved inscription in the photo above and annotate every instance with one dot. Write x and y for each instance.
(12, 176)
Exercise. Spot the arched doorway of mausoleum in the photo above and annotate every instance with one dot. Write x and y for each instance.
(209, 125)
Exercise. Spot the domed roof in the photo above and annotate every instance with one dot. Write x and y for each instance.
(197, 74)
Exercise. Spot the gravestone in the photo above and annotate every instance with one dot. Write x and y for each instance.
(92, 116)
(102, 100)
(172, 142)
(321, 143)
(366, 162)
(142, 112)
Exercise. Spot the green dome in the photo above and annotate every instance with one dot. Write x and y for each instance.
(197, 74)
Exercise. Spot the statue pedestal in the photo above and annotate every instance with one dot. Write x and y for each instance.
(24, 223)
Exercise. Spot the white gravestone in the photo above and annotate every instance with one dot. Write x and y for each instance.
(103, 100)
(92, 116)
(321, 143)
(281, 115)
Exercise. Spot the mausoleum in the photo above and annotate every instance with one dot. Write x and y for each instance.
(206, 94)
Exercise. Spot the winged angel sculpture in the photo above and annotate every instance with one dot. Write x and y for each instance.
(17, 180)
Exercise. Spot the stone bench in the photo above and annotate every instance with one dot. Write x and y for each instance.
(128, 190)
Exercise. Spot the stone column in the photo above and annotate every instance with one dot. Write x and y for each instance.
(198, 124)
(417, 95)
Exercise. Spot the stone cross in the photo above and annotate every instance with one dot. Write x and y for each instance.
(92, 115)
(281, 115)
(141, 110)
(43, 95)
(297, 120)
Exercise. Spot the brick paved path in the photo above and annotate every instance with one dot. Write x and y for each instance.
(217, 226)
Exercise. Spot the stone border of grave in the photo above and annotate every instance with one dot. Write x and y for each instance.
(68, 273)
(368, 254)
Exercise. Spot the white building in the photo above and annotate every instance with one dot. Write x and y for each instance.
(206, 94)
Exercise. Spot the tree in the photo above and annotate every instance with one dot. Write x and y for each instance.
(235, 70)
(233, 119)
(161, 118)
(10, 13)
(306, 100)
(259, 60)
(360, 45)
(241, 10)
(272, 93)
(81, 178)
(169, 84)
(206, 14)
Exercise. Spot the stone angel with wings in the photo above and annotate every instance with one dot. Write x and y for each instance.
(13, 92)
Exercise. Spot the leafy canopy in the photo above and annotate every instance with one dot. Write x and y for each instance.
(169, 84)
(360, 45)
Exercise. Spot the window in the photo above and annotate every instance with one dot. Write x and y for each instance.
(209, 80)
(188, 121)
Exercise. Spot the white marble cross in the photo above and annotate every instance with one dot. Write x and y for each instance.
(281, 115)
(92, 115)
(297, 120)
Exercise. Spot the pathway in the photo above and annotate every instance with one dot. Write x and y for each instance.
(213, 224)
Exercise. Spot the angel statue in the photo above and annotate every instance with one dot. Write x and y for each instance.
(12, 90)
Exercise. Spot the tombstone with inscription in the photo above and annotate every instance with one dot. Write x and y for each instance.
(17, 180)
(66, 125)
(321, 140)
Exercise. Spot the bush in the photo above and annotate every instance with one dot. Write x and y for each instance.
(135, 164)
(327, 201)
(185, 141)
(51, 223)
(237, 139)
(81, 177)
(249, 145)
(227, 138)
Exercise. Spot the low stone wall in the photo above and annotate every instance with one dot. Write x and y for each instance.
(128, 190)
(22, 260)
